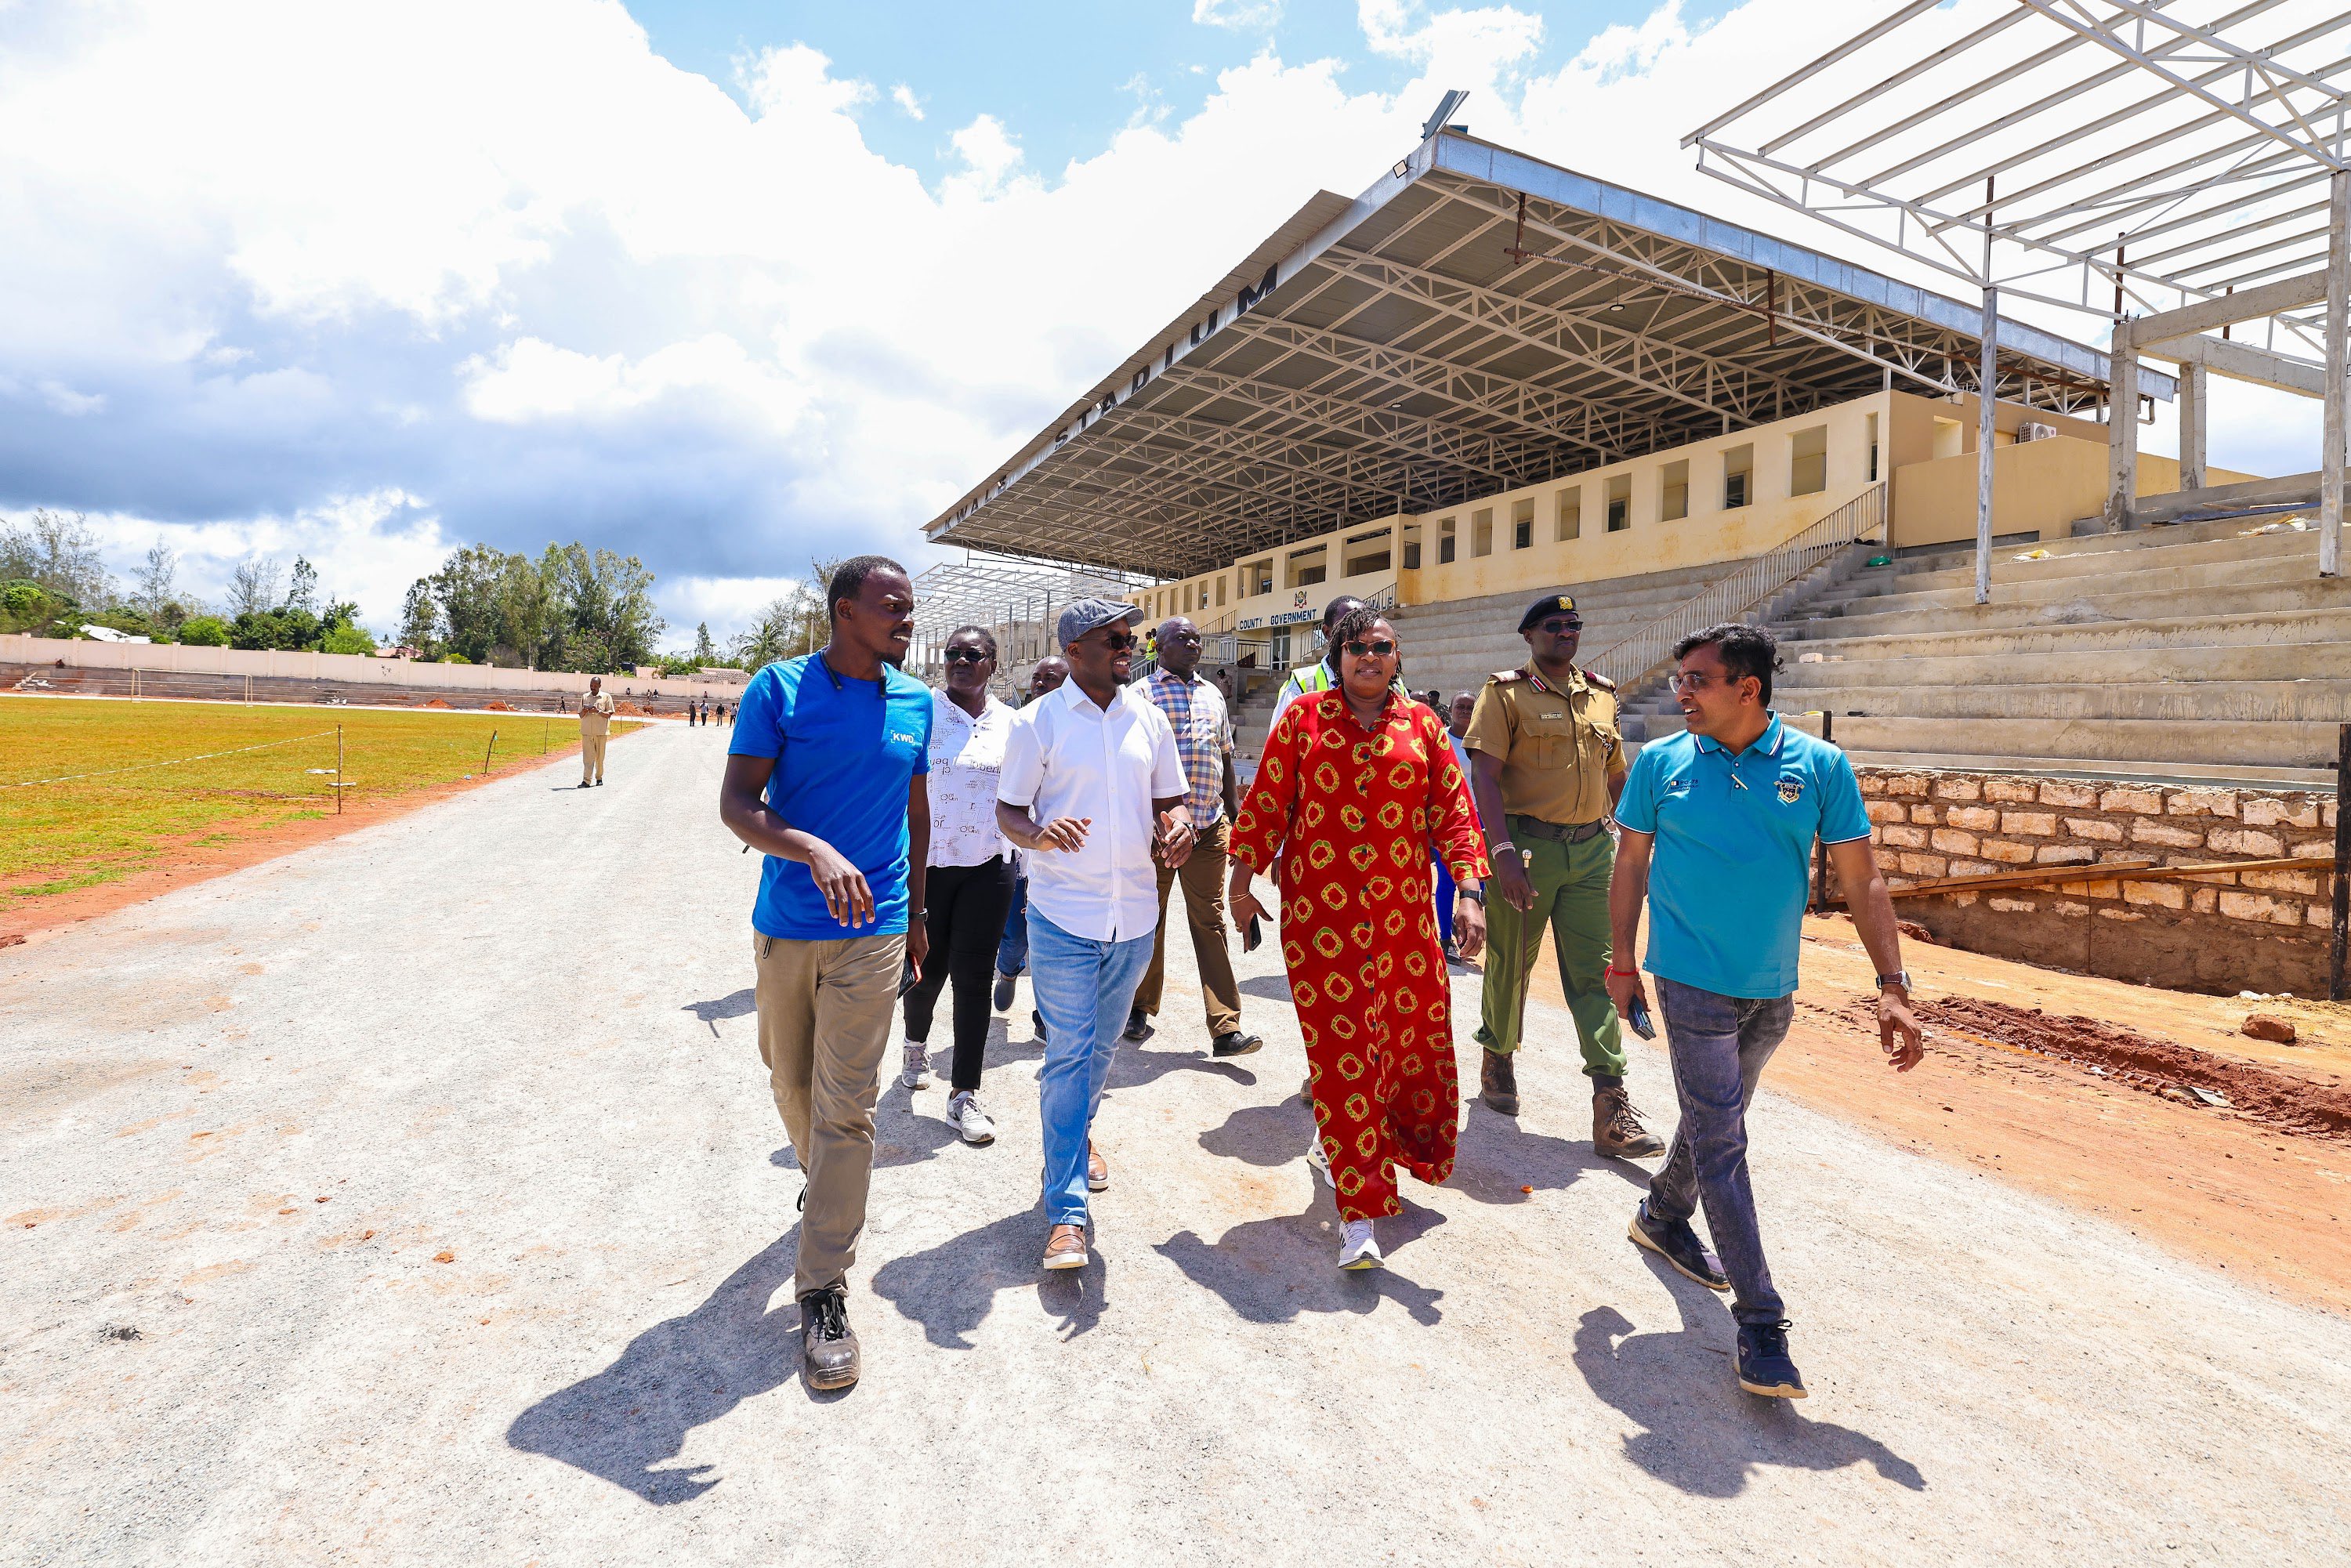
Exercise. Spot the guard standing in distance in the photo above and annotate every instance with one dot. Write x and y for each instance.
(1547, 767)
(595, 726)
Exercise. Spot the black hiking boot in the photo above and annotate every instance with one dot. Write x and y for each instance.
(828, 1346)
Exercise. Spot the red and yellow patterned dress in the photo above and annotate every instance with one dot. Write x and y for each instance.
(1353, 814)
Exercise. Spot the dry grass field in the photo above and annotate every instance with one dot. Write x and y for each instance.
(94, 790)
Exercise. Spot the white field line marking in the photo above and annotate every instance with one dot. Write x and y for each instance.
(167, 762)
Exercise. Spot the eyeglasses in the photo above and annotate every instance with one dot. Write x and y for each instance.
(1118, 642)
(965, 655)
(1696, 681)
(1357, 648)
(1559, 625)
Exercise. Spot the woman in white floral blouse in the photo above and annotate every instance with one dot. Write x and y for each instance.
(969, 888)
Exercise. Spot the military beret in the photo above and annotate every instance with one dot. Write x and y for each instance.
(1549, 604)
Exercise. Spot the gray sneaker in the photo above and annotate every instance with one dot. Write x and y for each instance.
(965, 1116)
(917, 1074)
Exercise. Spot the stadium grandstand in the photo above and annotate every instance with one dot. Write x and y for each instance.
(1487, 376)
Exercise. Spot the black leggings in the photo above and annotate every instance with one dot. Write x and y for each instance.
(964, 908)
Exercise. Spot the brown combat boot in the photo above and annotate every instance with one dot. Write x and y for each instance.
(1616, 1129)
(1498, 1085)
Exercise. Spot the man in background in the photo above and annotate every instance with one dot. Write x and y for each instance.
(1203, 739)
(595, 727)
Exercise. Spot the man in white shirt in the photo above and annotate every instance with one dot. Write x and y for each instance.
(1093, 788)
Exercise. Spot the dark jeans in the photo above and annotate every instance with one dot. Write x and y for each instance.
(1719, 1045)
(963, 911)
(1012, 954)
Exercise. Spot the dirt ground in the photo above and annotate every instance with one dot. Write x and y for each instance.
(2206, 1183)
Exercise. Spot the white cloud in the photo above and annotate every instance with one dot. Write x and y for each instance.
(299, 264)
(1253, 15)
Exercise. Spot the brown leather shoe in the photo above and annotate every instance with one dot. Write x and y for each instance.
(1065, 1246)
(1097, 1170)
(827, 1346)
(1498, 1085)
(1616, 1129)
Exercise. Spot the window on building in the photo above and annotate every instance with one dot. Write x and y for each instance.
(1738, 477)
(1568, 522)
(1412, 546)
(1481, 531)
(1309, 567)
(1808, 461)
(1256, 577)
(1620, 503)
(1367, 553)
(1949, 440)
(1523, 523)
(1221, 591)
(1872, 422)
(1673, 490)
(1445, 542)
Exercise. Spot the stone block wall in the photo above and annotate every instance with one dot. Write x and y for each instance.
(2225, 932)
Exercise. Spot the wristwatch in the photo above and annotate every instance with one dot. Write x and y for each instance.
(1898, 981)
(1474, 895)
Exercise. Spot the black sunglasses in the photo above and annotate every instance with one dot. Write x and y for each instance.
(965, 655)
(1357, 648)
(1118, 642)
(1559, 625)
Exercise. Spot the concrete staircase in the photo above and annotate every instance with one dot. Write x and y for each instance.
(2192, 651)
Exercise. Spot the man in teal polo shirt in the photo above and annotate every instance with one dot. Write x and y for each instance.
(825, 776)
(1718, 825)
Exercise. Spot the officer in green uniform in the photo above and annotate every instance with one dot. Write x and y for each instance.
(1546, 766)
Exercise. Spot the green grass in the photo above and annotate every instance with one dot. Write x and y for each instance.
(259, 767)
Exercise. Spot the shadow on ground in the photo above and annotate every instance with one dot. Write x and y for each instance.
(1700, 1432)
(950, 1289)
(631, 1419)
(1272, 1270)
(742, 1004)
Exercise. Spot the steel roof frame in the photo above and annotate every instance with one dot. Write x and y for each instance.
(2078, 214)
(1477, 321)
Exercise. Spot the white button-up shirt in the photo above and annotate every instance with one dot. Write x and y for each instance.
(967, 756)
(1067, 757)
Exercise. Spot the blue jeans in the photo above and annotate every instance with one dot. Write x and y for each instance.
(1083, 989)
(1444, 902)
(1719, 1045)
(1012, 953)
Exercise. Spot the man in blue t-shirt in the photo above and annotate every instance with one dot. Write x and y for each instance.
(825, 777)
(1717, 830)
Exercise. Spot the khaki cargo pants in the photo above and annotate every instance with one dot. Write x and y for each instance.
(591, 756)
(824, 1018)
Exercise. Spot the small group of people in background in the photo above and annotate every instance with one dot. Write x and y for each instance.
(705, 711)
(915, 840)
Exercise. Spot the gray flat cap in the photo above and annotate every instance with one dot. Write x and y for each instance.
(1084, 615)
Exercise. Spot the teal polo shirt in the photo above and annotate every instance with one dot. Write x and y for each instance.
(1733, 863)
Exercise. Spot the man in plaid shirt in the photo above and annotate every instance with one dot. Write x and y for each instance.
(1203, 739)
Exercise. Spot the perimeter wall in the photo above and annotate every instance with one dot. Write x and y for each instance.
(2226, 932)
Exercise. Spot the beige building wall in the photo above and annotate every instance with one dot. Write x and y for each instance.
(1725, 499)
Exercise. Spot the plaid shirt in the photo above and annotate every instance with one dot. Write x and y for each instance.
(1204, 737)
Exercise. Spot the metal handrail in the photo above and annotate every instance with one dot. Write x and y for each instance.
(1633, 659)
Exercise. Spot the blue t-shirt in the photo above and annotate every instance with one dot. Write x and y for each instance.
(846, 753)
(1733, 863)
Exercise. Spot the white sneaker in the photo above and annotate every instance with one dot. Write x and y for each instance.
(965, 1116)
(1320, 1161)
(917, 1074)
(1361, 1250)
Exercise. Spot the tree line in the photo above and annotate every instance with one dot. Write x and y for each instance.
(569, 607)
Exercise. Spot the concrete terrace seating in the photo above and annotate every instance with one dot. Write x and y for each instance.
(2189, 651)
(1453, 647)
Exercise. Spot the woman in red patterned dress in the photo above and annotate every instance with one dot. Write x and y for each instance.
(1355, 787)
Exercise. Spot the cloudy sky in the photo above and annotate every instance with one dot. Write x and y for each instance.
(721, 283)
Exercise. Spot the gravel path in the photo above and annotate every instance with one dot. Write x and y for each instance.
(543, 1310)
